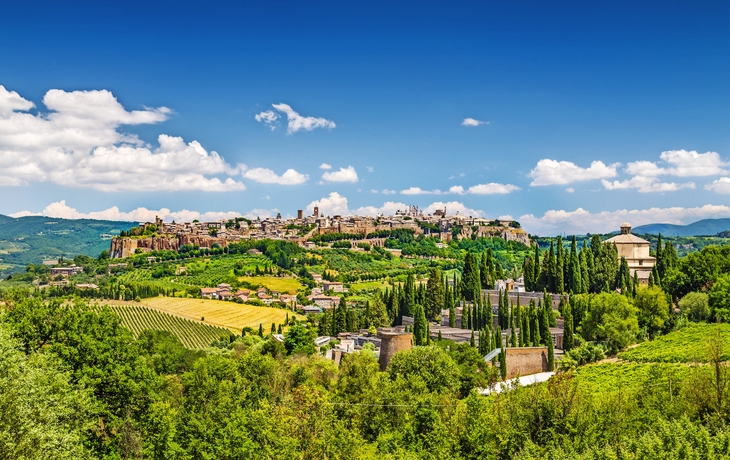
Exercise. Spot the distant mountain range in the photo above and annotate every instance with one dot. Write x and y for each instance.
(32, 239)
(705, 227)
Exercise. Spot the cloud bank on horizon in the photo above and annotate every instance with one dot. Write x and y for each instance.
(552, 222)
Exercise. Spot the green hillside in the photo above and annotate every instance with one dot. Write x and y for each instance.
(32, 239)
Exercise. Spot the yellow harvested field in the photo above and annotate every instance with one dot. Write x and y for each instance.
(230, 315)
(283, 285)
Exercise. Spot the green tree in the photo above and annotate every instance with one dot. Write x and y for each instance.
(719, 299)
(653, 309)
(559, 268)
(378, 312)
(695, 306)
(419, 325)
(42, 413)
(612, 319)
(434, 294)
(568, 327)
(470, 282)
(551, 355)
(430, 366)
(299, 340)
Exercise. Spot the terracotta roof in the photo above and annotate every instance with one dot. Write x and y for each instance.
(627, 238)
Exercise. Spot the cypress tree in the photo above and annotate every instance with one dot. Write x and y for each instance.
(525, 329)
(273, 328)
(551, 355)
(419, 325)
(536, 268)
(434, 294)
(635, 283)
(513, 334)
(409, 293)
(527, 269)
(278, 329)
(428, 333)
(261, 330)
(471, 340)
(559, 268)
(440, 338)
(574, 268)
(498, 270)
(551, 269)
(484, 271)
(568, 327)
(503, 364)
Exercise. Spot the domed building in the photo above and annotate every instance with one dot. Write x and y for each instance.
(636, 252)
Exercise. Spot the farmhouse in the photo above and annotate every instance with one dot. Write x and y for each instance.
(325, 301)
(66, 271)
(334, 286)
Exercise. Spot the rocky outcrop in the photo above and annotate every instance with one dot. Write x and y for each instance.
(122, 247)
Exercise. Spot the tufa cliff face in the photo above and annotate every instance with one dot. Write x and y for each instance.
(125, 247)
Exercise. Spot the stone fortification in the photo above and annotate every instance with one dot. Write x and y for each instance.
(391, 343)
(125, 246)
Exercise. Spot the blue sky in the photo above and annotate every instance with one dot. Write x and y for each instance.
(378, 91)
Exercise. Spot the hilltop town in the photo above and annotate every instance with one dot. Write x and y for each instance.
(312, 230)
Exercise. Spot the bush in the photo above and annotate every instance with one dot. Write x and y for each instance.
(586, 353)
(695, 306)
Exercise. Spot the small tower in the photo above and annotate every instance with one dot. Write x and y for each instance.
(391, 343)
(625, 228)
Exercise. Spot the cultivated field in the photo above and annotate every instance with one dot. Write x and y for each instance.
(686, 345)
(614, 377)
(283, 285)
(192, 334)
(230, 315)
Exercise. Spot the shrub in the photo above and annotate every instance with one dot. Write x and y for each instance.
(695, 306)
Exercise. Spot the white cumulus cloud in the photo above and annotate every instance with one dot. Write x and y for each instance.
(334, 204)
(492, 188)
(553, 172)
(267, 176)
(78, 143)
(295, 122)
(646, 185)
(419, 191)
(325, 166)
(721, 185)
(473, 122)
(343, 175)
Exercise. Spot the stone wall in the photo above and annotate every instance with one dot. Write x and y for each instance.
(526, 361)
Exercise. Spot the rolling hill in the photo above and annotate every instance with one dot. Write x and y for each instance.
(32, 239)
(701, 227)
